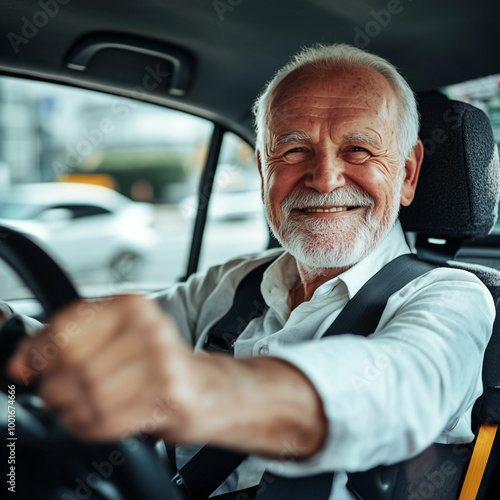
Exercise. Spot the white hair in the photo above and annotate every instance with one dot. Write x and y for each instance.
(343, 57)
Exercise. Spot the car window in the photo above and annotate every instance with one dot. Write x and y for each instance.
(12, 287)
(67, 154)
(235, 223)
(484, 93)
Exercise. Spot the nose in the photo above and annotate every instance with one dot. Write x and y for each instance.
(326, 172)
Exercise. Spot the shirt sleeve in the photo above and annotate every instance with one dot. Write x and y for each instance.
(205, 297)
(388, 396)
(183, 302)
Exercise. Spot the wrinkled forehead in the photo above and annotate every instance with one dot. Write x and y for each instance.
(322, 91)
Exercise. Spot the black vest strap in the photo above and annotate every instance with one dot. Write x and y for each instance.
(210, 467)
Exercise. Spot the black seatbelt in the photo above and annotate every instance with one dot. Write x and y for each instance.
(362, 313)
(210, 467)
(248, 304)
(207, 470)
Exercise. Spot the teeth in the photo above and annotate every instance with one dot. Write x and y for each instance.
(326, 210)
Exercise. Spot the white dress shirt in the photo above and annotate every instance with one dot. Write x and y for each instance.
(388, 396)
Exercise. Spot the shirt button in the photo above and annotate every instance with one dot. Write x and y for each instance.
(264, 350)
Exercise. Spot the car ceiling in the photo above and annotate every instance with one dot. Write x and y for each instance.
(238, 44)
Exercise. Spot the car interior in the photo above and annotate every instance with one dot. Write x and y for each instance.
(209, 60)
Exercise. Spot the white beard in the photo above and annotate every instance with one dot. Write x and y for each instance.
(335, 242)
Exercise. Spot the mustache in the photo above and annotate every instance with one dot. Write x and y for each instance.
(350, 196)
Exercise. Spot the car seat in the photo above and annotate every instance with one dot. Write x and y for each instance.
(456, 199)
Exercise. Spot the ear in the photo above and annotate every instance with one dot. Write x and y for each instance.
(412, 171)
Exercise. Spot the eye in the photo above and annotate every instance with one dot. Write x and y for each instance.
(294, 155)
(356, 154)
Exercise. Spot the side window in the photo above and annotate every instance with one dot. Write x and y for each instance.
(236, 223)
(71, 153)
(11, 286)
(484, 93)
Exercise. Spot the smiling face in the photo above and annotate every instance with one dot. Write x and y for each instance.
(332, 175)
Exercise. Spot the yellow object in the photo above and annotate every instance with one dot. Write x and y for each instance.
(96, 179)
(478, 461)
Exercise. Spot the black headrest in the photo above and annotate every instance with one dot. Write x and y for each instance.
(458, 188)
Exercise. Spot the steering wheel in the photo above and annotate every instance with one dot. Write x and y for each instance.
(48, 463)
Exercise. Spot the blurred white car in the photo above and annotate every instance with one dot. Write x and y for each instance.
(85, 227)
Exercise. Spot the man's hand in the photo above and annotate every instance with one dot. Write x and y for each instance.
(125, 370)
(104, 373)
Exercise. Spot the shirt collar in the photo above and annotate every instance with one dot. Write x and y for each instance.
(281, 276)
(392, 246)
(278, 279)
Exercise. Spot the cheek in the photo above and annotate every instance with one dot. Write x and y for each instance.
(378, 183)
(271, 194)
(274, 197)
(278, 182)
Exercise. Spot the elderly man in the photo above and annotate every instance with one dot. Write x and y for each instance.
(338, 154)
